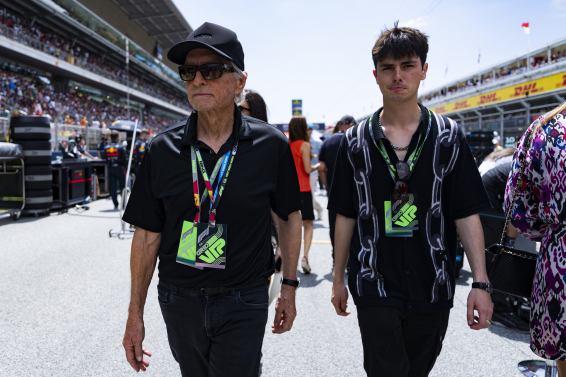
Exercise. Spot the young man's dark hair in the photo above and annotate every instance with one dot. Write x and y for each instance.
(400, 43)
(298, 129)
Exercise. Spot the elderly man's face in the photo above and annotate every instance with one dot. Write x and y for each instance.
(205, 95)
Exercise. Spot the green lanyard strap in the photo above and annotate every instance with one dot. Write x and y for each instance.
(413, 158)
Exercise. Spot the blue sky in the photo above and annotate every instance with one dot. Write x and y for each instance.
(320, 51)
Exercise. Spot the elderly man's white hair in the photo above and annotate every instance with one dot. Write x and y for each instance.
(238, 74)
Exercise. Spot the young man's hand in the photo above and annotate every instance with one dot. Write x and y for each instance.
(340, 298)
(479, 300)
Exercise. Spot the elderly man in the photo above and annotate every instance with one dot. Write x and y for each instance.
(202, 203)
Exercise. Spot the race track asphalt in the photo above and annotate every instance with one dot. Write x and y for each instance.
(64, 291)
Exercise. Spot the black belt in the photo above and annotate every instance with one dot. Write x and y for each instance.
(214, 290)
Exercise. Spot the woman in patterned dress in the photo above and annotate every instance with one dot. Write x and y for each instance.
(539, 213)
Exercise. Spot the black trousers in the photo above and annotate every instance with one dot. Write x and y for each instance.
(117, 180)
(399, 343)
(332, 226)
(215, 335)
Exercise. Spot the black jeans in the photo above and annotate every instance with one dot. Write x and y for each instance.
(332, 226)
(217, 335)
(399, 343)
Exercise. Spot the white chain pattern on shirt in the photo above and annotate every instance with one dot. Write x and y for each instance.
(448, 138)
(368, 253)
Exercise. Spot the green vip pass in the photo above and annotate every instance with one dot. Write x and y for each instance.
(389, 231)
(404, 213)
(188, 245)
(211, 246)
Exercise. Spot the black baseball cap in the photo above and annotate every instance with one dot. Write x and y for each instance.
(347, 119)
(215, 38)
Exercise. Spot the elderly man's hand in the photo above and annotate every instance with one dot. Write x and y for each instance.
(133, 338)
(285, 311)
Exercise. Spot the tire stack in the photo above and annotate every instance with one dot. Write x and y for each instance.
(33, 133)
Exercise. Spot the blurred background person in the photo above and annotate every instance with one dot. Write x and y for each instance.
(539, 213)
(316, 143)
(253, 105)
(327, 158)
(300, 146)
(81, 147)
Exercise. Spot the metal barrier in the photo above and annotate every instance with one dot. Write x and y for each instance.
(65, 132)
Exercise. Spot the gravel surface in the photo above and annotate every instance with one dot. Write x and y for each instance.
(64, 291)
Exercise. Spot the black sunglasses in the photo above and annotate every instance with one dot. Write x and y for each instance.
(243, 108)
(208, 71)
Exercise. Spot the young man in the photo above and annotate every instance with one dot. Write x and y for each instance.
(202, 202)
(327, 157)
(405, 183)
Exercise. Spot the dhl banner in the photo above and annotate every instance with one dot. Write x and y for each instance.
(544, 84)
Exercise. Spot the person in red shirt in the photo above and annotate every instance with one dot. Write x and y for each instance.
(301, 148)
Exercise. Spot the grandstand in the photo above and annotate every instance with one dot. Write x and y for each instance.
(506, 97)
(66, 59)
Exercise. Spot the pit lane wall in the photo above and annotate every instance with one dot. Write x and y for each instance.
(530, 88)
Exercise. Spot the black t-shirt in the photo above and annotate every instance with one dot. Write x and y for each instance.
(411, 273)
(263, 176)
(328, 153)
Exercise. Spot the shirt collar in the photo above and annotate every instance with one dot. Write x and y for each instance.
(241, 130)
(422, 128)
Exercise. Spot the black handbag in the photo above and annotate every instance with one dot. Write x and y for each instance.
(509, 270)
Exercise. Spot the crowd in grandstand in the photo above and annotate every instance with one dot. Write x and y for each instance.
(38, 37)
(472, 83)
(32, 96)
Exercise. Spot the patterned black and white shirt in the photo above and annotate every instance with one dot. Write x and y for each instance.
(411, 273)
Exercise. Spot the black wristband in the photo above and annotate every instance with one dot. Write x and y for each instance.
(485, 286)
(292, 283)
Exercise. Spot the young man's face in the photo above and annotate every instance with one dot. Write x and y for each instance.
(399, 80)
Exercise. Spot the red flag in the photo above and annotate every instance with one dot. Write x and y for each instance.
(525, 24)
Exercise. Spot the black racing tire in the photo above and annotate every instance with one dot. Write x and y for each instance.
(36, 152)
(38, 199)
(38, 177)
(30, 128)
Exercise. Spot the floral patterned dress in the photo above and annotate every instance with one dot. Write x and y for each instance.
(539, 213)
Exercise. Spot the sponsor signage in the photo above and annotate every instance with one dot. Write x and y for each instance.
(297, 107)
(542, 85)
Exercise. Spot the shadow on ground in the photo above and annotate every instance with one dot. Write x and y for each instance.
(509, 333)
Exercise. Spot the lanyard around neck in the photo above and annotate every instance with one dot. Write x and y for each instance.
(222, 169)
(413, 158)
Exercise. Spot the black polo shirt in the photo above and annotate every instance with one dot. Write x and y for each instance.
(263, 177)
(411, 273)
(328, 153)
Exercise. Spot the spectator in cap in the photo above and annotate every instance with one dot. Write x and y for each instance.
(212, 237)
(327, 157)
